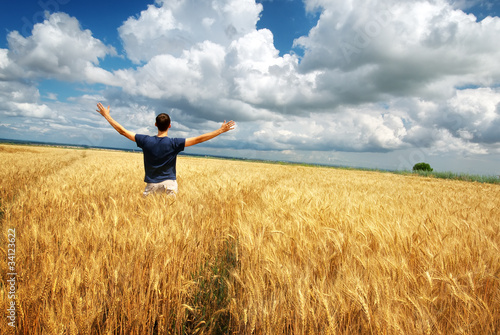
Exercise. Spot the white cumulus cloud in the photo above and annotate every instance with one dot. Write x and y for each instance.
(59, 48)
(170, 27)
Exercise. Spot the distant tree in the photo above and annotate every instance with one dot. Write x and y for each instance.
(422, 167)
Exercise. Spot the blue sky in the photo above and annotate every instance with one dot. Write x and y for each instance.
(379, 84)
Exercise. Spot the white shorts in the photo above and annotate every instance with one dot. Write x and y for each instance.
(168, 186)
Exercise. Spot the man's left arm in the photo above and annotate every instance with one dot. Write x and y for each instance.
(119, 128)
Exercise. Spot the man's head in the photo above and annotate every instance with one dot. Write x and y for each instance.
(162, 122)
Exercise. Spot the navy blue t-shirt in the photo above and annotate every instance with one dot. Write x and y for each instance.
(160, 156)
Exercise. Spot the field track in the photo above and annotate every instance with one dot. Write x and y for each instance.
(245, 248)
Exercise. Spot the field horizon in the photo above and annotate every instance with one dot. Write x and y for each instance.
(245, 248)
(482, 178)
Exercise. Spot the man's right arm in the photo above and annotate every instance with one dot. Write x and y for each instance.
(226, 126)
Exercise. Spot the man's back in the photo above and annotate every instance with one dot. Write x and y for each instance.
(160, 156)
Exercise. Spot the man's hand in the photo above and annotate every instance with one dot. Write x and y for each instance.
(227, 126)
(103, 111)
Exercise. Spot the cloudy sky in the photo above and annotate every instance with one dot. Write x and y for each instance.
(363, 83)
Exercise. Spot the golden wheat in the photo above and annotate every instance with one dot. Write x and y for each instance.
(245, 248)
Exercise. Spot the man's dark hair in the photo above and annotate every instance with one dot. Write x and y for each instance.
(162, 121)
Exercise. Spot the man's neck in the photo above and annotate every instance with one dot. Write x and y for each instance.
(162, 133)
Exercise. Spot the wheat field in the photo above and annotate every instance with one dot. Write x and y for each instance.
(245, 248)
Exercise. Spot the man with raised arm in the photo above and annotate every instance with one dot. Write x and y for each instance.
(160, 151)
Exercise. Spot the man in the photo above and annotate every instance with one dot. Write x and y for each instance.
(160, 152)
